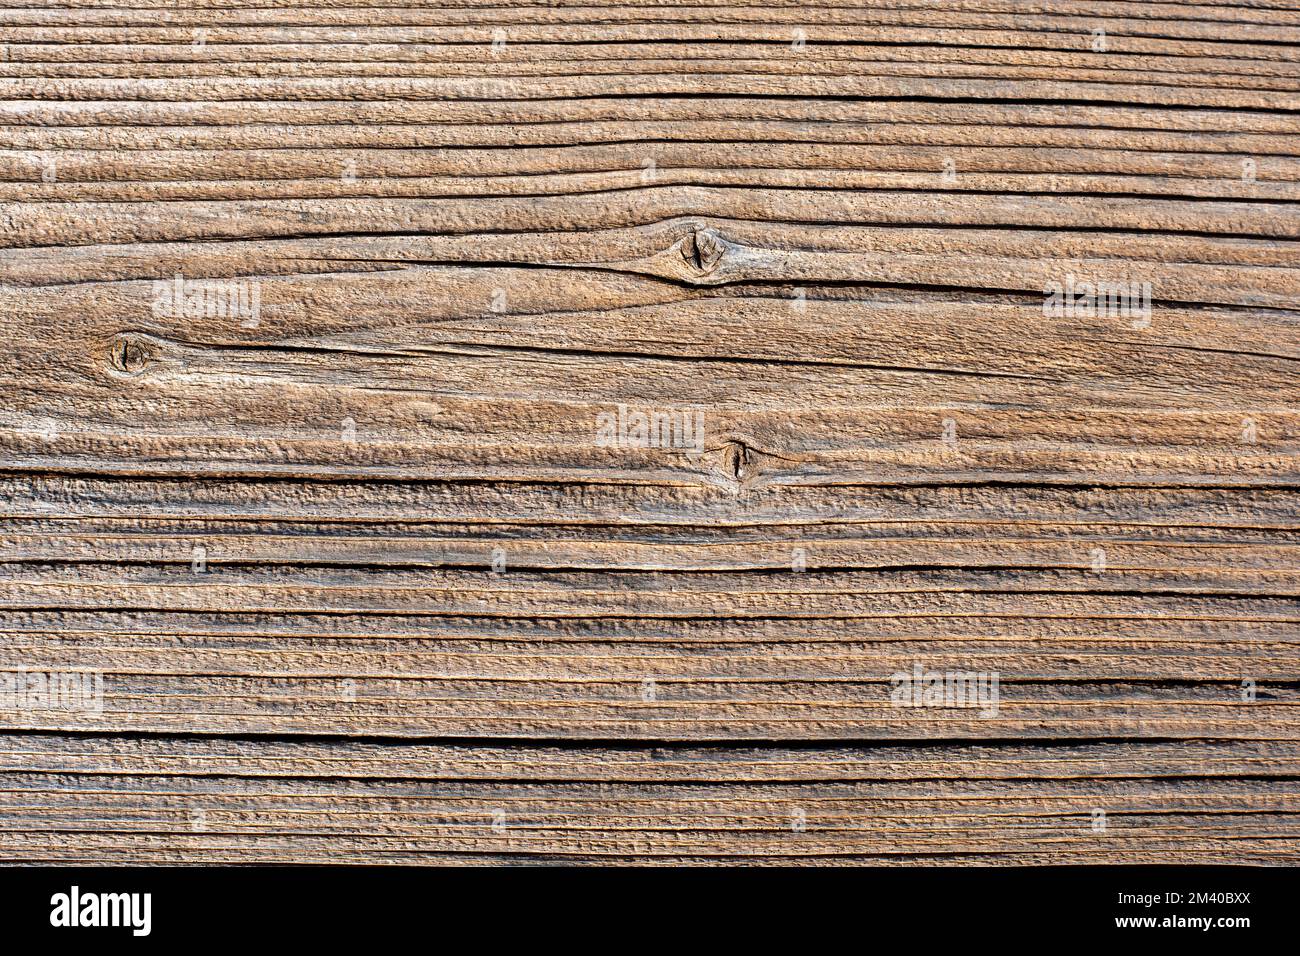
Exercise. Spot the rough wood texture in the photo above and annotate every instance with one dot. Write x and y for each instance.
(362, 580)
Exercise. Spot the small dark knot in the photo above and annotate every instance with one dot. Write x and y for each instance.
(128, 355)
(703, 250)
(736, 459)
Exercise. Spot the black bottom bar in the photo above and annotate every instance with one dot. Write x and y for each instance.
(621, 908)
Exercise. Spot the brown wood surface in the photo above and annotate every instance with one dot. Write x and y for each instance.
(474, 229)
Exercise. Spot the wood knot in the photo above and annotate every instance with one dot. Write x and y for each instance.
(703, 249)
(736, 460)
(737, 464)
(128, 354)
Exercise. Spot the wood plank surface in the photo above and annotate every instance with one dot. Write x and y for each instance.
(316, 313)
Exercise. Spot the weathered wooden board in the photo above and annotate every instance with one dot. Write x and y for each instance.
(365, 581)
